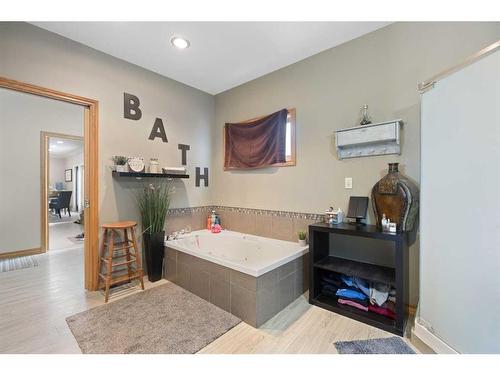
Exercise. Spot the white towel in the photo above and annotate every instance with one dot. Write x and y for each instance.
(174, 170)
(379, 293)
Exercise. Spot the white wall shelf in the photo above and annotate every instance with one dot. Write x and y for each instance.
(382, 138)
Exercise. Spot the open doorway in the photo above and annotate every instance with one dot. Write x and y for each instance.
(65, 215)
(30, 224)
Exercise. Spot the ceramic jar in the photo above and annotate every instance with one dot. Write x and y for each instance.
(122, 168)
(153, 166)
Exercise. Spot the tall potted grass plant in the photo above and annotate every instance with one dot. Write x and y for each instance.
(154, 202)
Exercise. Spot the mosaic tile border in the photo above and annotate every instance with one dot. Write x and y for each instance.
(246, 211)
(188, 210)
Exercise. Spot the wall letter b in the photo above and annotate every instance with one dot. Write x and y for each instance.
(131, 107)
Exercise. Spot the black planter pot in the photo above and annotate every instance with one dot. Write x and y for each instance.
(154, 250)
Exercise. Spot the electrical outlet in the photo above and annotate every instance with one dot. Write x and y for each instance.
(348, 182)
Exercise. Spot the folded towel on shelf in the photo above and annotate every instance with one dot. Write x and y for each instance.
(389, 305)
(174, 170)
(329, 290)
(379, 292)
(350, 293)
(363, 285)
(382, 311)
(337, 284)
(353, 304)
(347, 280)
(362, 302)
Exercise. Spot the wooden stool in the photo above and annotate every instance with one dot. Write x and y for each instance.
(117, 247)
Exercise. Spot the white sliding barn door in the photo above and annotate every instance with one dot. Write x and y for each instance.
(460, 208)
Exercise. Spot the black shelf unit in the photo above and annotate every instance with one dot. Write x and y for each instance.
(369, 271)
(321, 259)
(140, 175)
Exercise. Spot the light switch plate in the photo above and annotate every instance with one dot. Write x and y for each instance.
(348, 182)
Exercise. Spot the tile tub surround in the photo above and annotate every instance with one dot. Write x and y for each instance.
(280, 225)
(180, 218)
(253, 299)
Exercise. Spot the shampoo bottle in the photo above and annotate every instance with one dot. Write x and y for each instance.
(212, 218)
(384, 222)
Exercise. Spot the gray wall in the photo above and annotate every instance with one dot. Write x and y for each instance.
(57, 166)
(22, 117)
(36, 56)
(381, 69)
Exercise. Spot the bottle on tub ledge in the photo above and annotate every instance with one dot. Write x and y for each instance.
(213, 223)
(209, 222)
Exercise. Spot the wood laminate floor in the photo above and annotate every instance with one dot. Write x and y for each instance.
(60, 233)
(34, 303)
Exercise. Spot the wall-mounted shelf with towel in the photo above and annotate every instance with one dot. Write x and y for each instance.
(140, 175)
(382, 138)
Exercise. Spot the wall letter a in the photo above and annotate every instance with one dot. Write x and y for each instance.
(158, 131)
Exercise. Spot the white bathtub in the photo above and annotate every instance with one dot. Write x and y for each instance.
(246, 253)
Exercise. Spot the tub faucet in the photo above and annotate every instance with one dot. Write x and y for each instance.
(172, 236)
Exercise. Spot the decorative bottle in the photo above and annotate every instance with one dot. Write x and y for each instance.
(397, 197)
(365, 119)
(213, 218)
(384, 222)
(153, 165)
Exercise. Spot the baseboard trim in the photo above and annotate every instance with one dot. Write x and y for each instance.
(21, 253)
(431, 340)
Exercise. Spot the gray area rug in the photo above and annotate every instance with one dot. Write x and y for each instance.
(12, 264)
(390, 345)
(165, 319)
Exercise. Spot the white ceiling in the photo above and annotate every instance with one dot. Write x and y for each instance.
(222, 55)
(68, 147)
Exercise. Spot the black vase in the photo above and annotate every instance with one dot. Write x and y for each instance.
(154, 249)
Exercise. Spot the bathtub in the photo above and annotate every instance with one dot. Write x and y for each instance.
(249, 276)
(246, 253)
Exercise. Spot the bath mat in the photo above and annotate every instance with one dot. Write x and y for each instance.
(12, 264)
(390, 345)
(164, 319)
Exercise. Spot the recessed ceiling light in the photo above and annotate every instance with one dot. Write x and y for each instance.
(179, 42)
(60, 142)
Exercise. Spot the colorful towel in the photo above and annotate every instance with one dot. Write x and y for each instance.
(379, 293)
(362, 302)
(353, 304)
(363, 285)
(381, 311)
(350, 293)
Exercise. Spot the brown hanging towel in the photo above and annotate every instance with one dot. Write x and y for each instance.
(257, 143)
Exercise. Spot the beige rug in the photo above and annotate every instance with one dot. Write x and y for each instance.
(164, 319)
